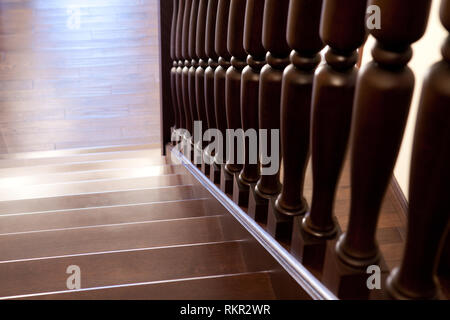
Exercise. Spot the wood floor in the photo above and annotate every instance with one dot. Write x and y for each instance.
(78, 73)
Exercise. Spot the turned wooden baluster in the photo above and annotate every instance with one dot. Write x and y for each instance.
(194, 63)
(303, 37)
(235, 46)
(200, 74)
(274, 41)
(383, 97)
(254, 14)
(187, 64)
(209, 84)
(429, 208)
(173, 71)
(221, 40)
(332, 105)
(179, 70)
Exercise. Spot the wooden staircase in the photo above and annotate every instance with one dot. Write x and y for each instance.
(137, 226)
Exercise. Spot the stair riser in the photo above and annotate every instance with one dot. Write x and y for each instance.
(117, 237)
(232, 287)
(110, 215)
(83, 166)
(97, 200)
(50, 275)
(23, 162)
(55, 190)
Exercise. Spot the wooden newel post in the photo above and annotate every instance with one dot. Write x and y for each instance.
(235, 46)
(383, 97)
(429, 208)
(303, 37)
(249, 175)
(332, 105)
(212, 170)
(275, 43)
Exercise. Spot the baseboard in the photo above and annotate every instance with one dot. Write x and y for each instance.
(399, 197)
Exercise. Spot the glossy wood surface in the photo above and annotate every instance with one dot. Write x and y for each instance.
(429, 210)
(65, 85)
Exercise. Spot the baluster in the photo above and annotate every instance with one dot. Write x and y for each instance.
(249, 175)
(235, 44)
(429, 208)
(173, 71)
(382, 100)
(274, 41)
(223, 11)
(214, 170)
(191, 78)
(303, 37)
(187, 65)
(200, 76)
(332, 105)
(179, 71)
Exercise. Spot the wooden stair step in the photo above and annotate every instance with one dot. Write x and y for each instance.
(62, 177)
(56, 190)
(59, 242)
(245, 286)
(166, 210)
(53, 158)
(80, 151)
(119, 268)
(101, 199)
(82, 166)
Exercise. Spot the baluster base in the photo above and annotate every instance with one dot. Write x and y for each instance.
(214, 173)
(350, 283)
(257, 206)
(206, 168)
(307, 248)
(226, 181)
(279, 222)
(240, 192)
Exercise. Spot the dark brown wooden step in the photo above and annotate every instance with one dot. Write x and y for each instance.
(62, 177)
(73, 188)
(104, 238)
(247, 286)
(167, 210)
(119, 268)
(98, 199)
(80, 151)
(60, 157)
(82, 166)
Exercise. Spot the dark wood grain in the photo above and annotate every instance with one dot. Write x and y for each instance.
(429, 210)
(86, 77)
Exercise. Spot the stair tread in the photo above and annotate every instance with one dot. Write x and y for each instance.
(81, 166)
(126, 267)
(59, 242)
(79, 151)
(245, 286)
(164, 210)
(54, 158)
(89, 175)
(89, 186)
(100, 199)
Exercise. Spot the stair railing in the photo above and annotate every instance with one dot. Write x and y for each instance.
(233, 71)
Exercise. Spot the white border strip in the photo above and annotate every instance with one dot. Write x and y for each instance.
(312, 286)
